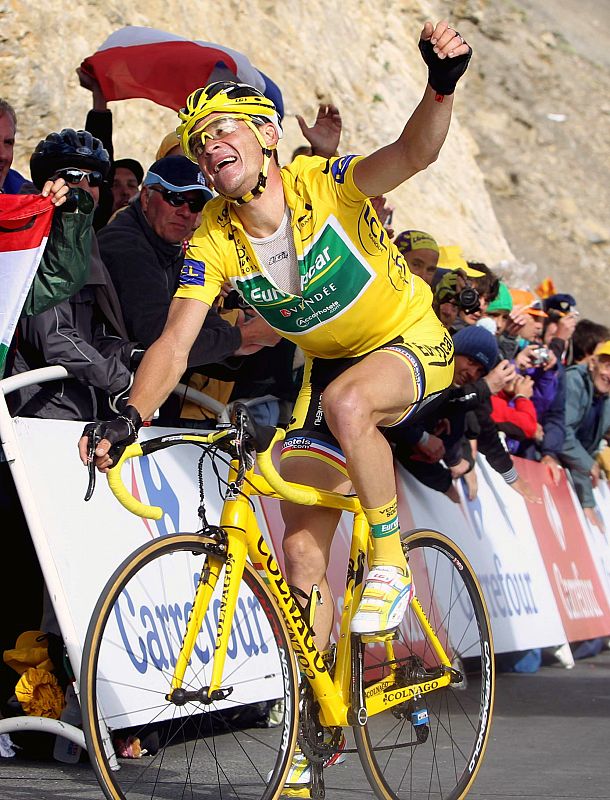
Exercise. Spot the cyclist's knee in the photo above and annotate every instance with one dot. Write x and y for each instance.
(346, 408)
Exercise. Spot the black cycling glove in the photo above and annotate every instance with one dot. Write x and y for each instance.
(443, 73)
(120, 432)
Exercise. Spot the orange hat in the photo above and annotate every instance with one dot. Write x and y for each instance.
(524, 300)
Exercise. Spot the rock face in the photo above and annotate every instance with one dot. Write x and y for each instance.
(522, 182)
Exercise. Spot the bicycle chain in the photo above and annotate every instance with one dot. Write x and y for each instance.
(310, 730)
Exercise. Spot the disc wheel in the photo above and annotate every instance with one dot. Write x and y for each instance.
(235, 748)
(438, 758)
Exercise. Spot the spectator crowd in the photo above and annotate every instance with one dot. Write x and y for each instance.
(531, 378)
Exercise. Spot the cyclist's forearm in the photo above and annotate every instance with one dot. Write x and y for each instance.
(415, 149)
(160, 370)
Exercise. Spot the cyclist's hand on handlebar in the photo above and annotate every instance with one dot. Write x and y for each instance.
(109, 439)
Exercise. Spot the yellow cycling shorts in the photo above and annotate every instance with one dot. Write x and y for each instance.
(427, 350)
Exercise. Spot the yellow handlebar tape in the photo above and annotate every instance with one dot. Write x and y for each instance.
(119, 490)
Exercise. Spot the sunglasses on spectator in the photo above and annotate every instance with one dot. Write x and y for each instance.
(177, 199)
(76, 176)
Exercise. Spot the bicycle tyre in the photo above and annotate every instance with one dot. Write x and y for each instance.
(445, 765)
(194, 750)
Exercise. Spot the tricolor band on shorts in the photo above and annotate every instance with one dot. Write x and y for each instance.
(431, 371)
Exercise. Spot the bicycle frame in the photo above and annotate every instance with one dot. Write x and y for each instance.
(340, 698)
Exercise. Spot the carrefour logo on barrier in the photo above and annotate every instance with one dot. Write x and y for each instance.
(146, 631)
(157, 492)
(554, 518)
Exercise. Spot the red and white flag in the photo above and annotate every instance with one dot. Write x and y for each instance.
(164, 68)
(25, 221)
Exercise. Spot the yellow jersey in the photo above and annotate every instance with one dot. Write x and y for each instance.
(356, 289)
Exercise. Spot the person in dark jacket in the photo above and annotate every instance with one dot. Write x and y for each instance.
(465, 411)
(85, 334)
(587, 421)
(143, 248)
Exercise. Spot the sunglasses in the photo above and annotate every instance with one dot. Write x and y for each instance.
(76, 176)
(216, 129)
(177, 200)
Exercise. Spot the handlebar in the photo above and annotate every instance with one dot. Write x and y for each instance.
(288, 491)
(119, 490)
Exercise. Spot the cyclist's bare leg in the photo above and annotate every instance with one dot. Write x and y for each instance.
(374, 392)
(371, 393)
(308, 536)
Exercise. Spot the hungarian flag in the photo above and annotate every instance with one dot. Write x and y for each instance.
(164, 68)
(25, 221)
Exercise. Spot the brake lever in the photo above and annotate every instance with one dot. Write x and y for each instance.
(93, 442)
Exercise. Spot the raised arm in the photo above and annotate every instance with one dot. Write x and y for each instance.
(446, 55)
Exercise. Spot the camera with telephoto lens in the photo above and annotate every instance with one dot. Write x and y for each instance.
(540, 356)
(468, 299)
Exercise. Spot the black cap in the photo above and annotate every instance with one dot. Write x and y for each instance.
(132, 165)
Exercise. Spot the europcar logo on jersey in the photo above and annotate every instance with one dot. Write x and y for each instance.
(339, 167)
(333, 276)
(192, 273)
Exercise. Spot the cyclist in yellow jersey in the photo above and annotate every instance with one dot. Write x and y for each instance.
(305, 248)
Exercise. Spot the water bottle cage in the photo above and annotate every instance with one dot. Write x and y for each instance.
(312, 600)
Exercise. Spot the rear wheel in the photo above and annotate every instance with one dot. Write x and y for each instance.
(235, 748)
(404, 756)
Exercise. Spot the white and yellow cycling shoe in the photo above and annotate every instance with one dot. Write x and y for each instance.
(385, 599)
(298, 781)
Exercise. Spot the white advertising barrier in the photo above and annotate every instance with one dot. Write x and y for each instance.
(80, 544)
(496, 535)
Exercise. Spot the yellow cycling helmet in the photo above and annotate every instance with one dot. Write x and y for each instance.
(227, 97)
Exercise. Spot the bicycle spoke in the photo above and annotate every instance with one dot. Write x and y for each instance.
(439, 760)
(199, 750)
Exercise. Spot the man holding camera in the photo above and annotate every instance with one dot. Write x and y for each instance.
(539, 360)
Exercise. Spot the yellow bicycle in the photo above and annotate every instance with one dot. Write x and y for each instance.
(195, 629)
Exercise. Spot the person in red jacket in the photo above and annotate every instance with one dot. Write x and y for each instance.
(514, 412)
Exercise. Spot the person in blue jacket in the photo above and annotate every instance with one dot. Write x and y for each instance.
(587, 422)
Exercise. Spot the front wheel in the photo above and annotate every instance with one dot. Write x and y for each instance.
(235, 748)
(433, 746)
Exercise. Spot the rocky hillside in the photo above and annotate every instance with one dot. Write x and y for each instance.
(522, 182)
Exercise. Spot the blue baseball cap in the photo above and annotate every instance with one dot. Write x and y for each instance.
(178, 174)
(562, 303)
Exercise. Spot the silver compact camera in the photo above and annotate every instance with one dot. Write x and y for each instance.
(540, 357)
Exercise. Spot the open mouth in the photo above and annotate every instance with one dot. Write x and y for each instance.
(225, 162)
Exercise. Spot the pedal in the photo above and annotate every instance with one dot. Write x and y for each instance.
(301, 791)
